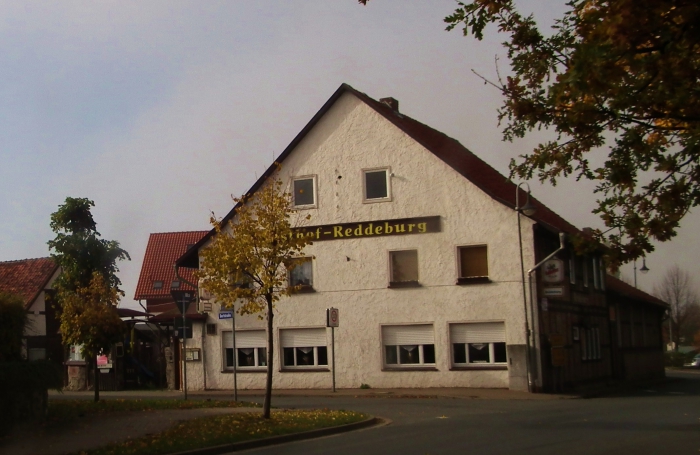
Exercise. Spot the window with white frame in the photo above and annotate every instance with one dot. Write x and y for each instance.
(376, 185)
(408, 345)
(596, 274)
(603, 273)
(250, 349)
(301, 273)
(304, 192)
(473, 263)
(478, 343)
(403, 267)
(304, 348)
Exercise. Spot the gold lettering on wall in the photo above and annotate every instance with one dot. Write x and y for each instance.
(404, 226)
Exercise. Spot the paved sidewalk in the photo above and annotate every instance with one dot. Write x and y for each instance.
(101, 429)
(450, 392)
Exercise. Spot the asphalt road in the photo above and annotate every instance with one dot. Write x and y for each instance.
(657, 420)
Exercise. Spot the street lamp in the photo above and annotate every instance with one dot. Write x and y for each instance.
(528, 210)
(644, 269)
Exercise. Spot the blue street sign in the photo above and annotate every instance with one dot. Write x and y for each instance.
(226, 315)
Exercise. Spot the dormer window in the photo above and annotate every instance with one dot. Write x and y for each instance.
(158, 285)
(175, 285)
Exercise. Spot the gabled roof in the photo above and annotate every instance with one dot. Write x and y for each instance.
(161, 252)
(26, 277)
(625, 290)
(447, 149)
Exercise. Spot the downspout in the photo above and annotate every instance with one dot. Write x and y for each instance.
(562, 237)
(196, 287)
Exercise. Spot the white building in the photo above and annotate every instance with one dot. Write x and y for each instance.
(417, 248)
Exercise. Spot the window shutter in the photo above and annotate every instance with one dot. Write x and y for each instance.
(250, 339)
(301, 338)
(473, 261)
(407, 335)
(482, 332)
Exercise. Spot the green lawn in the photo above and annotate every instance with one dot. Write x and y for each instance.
(225, 429)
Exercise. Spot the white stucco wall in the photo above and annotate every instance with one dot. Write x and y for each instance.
(352, 137)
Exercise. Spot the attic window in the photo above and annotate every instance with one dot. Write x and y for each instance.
(189, 246)
(175, 285)
(157, 285)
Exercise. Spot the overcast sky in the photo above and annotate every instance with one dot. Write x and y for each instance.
(160, 110)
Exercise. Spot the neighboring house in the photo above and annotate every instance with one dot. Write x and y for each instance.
(157, 277)
(416, 243)
(32, 280)
(153, 292)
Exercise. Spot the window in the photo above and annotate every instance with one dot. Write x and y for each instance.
(211, 329)
(572, 270)
(596, 274)
(175, 285)
(75, 354)
(408, 345)
(404, 268)
(478, 344)
(301, 273)
(304, 192)
(304, 348)
(250, 349)
(157, 285)
(473, 264)
(601, 266)
(590, 344)
(376, 185)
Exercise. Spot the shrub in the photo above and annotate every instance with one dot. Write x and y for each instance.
(12, 321)
(24, 391)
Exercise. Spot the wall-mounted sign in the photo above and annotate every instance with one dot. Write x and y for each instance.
(554, 291)
(403, 226)
(192, 354)
(553, 271)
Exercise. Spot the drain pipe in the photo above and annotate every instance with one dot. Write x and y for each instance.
(204, 357)
(562, 237)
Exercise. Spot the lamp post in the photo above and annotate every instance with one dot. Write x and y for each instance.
(528, 210)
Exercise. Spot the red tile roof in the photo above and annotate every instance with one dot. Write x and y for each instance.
(26, 277)
(161, 252)
(621, 288)
(447, 149)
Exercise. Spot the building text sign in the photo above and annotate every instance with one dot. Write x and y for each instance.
(403, 226)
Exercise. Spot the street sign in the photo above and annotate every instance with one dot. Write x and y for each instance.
(225, 315)
(182, 300)
(332, 317)
(177, 323)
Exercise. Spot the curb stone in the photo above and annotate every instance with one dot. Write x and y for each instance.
(274, 440)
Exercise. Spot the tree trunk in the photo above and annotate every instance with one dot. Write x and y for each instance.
(268, 382)
(97, 379)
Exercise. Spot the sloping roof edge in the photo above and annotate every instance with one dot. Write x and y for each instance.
(626, 290)
(409, 126)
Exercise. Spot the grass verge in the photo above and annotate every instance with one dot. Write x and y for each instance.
(227, 429)
(61, 410)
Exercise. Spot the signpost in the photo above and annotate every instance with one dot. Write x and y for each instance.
(332, 321)
(183, 300)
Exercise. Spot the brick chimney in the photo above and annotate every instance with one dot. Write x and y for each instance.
(393, 103)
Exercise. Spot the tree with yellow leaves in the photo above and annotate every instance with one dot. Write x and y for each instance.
(89, 318)
(249, 257)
